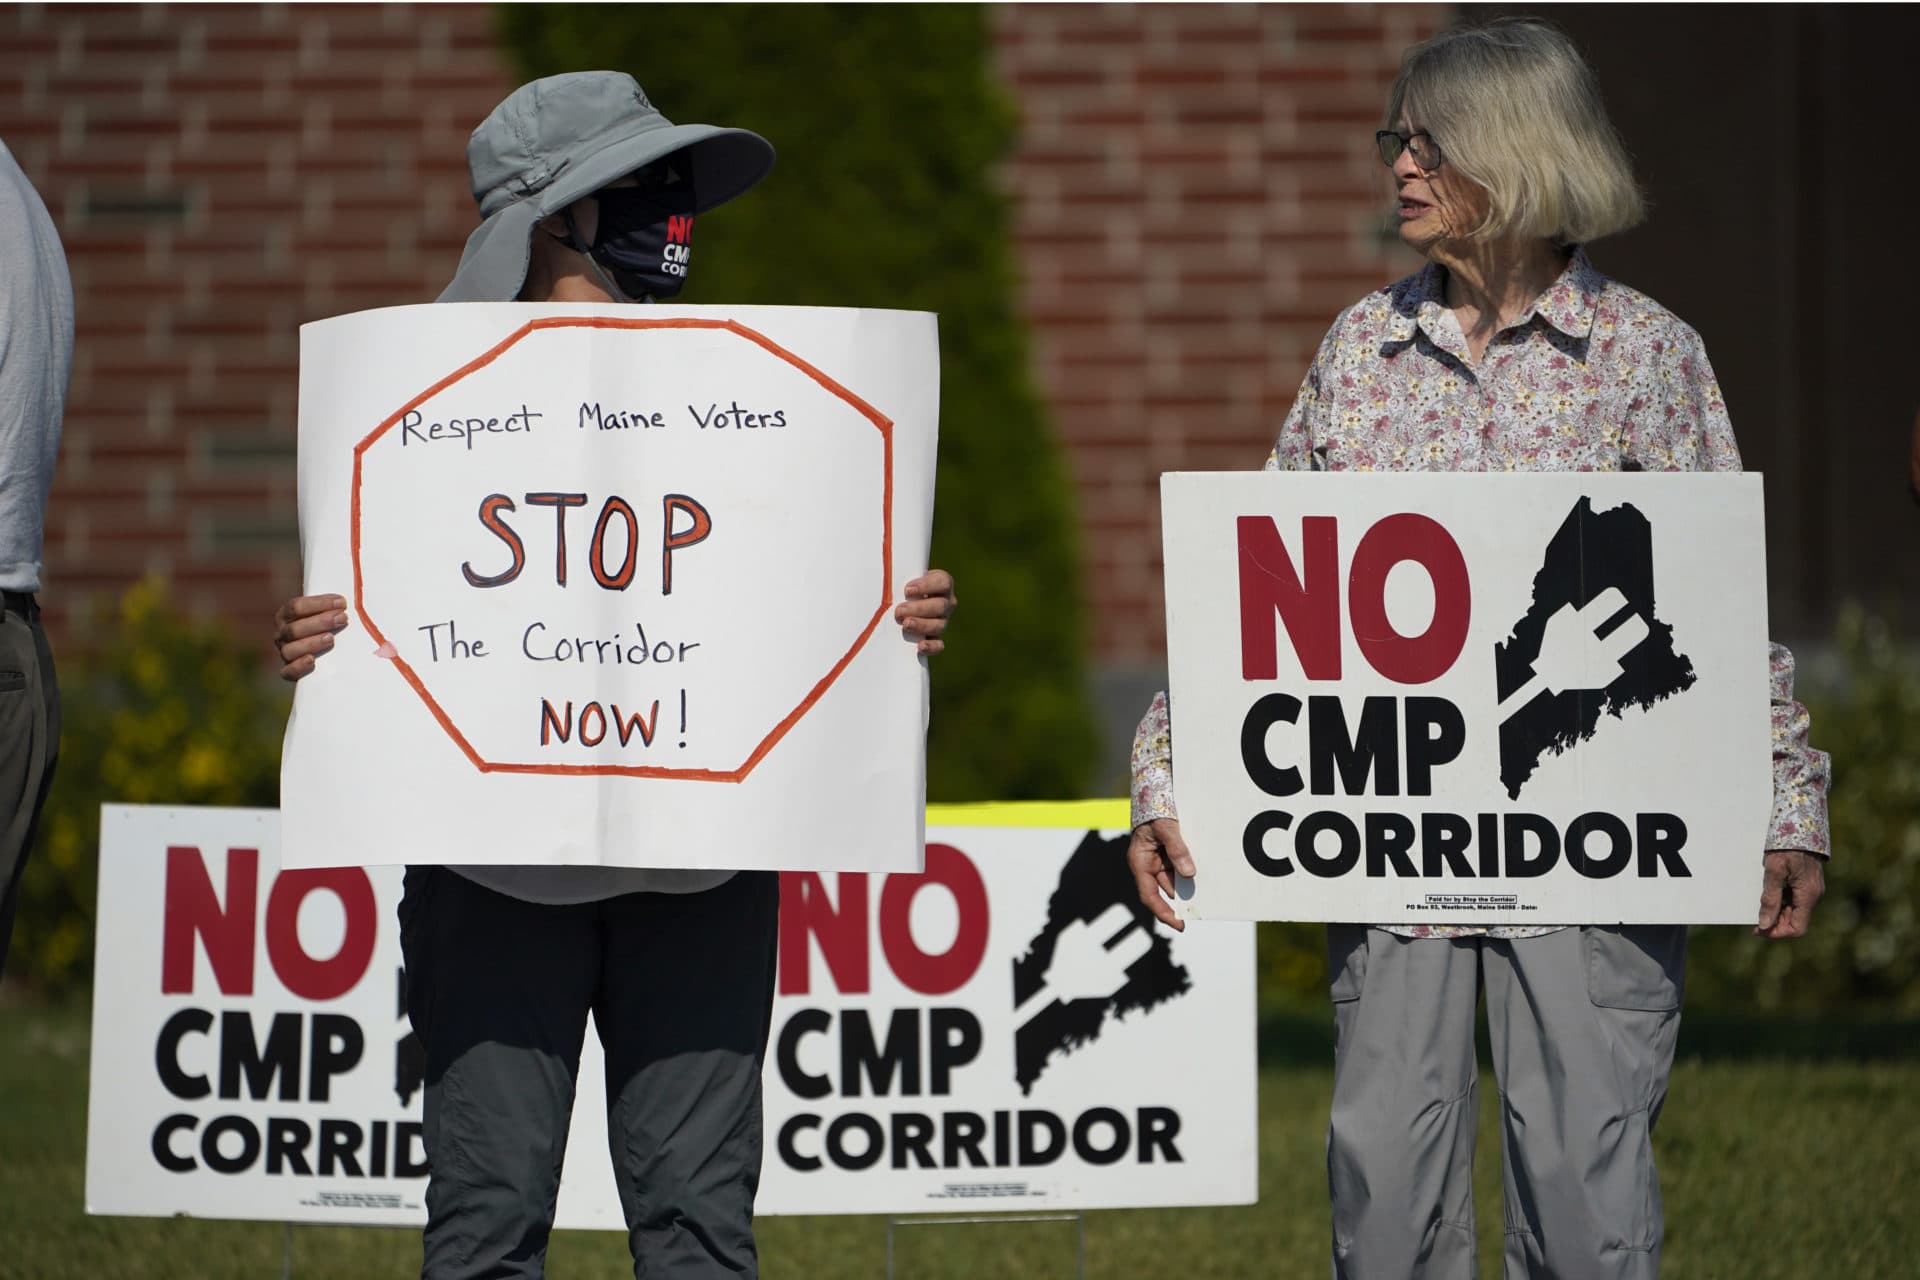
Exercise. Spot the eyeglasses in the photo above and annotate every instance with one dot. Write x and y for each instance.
(1425, 151)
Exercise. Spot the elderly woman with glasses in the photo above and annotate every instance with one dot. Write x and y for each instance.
(1508, 351)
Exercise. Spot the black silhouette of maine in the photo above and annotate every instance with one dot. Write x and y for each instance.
(1095, 878)
(1591, 552)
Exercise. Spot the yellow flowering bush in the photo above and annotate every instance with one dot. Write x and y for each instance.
(163, 711)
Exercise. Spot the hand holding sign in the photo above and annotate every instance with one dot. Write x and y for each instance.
(1155, 855)
(1576, 653)
(923, 618)
(303, 629)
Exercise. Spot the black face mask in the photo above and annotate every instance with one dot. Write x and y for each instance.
(645, 236)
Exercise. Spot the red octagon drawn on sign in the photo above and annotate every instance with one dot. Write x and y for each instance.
(880, 422)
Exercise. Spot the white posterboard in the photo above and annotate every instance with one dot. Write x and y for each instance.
(1451, 699)
(621, 585)
(251, 1055)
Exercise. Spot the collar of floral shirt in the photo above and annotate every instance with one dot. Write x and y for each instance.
(1568, 304)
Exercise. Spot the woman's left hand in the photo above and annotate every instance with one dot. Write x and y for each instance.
(923, 617)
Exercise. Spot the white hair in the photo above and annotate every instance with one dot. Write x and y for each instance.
(1516, 109)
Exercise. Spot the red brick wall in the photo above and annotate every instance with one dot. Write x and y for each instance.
(1198, 196)
(221, 174)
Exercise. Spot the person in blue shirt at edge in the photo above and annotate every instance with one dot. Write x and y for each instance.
(581, 184)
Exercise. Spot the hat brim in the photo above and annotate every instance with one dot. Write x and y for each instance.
(726, 162)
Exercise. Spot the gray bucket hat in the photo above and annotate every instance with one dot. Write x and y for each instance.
(567, 136)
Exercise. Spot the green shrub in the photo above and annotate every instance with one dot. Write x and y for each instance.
(1292, 965)
(889, 127)
(1862, 954)
(167, 712)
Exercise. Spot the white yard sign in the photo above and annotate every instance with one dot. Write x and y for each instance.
(620, 581)
(1010, 1030)
(1006, 1031)
(1445, 699)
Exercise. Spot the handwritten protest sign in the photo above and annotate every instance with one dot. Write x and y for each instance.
(1445, 699)
(620, 583)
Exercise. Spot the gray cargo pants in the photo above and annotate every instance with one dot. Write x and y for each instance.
(29, 744)
(1582, 1023)
(681, 989)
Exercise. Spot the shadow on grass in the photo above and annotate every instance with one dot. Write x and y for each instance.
(1302, 1037)
(1741, 1037)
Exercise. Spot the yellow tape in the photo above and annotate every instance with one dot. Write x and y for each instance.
(1075, 815)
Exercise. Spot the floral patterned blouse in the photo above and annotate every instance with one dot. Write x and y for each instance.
(1594, 376)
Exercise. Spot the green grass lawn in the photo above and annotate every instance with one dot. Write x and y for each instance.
(1786, 1153)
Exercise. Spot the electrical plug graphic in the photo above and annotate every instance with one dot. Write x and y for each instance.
(1575, 651)
(1090, 961)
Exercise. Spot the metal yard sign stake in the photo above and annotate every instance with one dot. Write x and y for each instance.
(1078, 1219)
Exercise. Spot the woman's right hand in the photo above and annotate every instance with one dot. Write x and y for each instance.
(304, 629)
(1154, 855)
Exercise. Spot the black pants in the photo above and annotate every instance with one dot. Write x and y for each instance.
(681, 989)
(29, 745)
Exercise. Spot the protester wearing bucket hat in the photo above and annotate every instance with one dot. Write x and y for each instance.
(583, 187)
(565, 137)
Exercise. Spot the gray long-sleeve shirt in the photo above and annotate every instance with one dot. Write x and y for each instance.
(36, 359)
